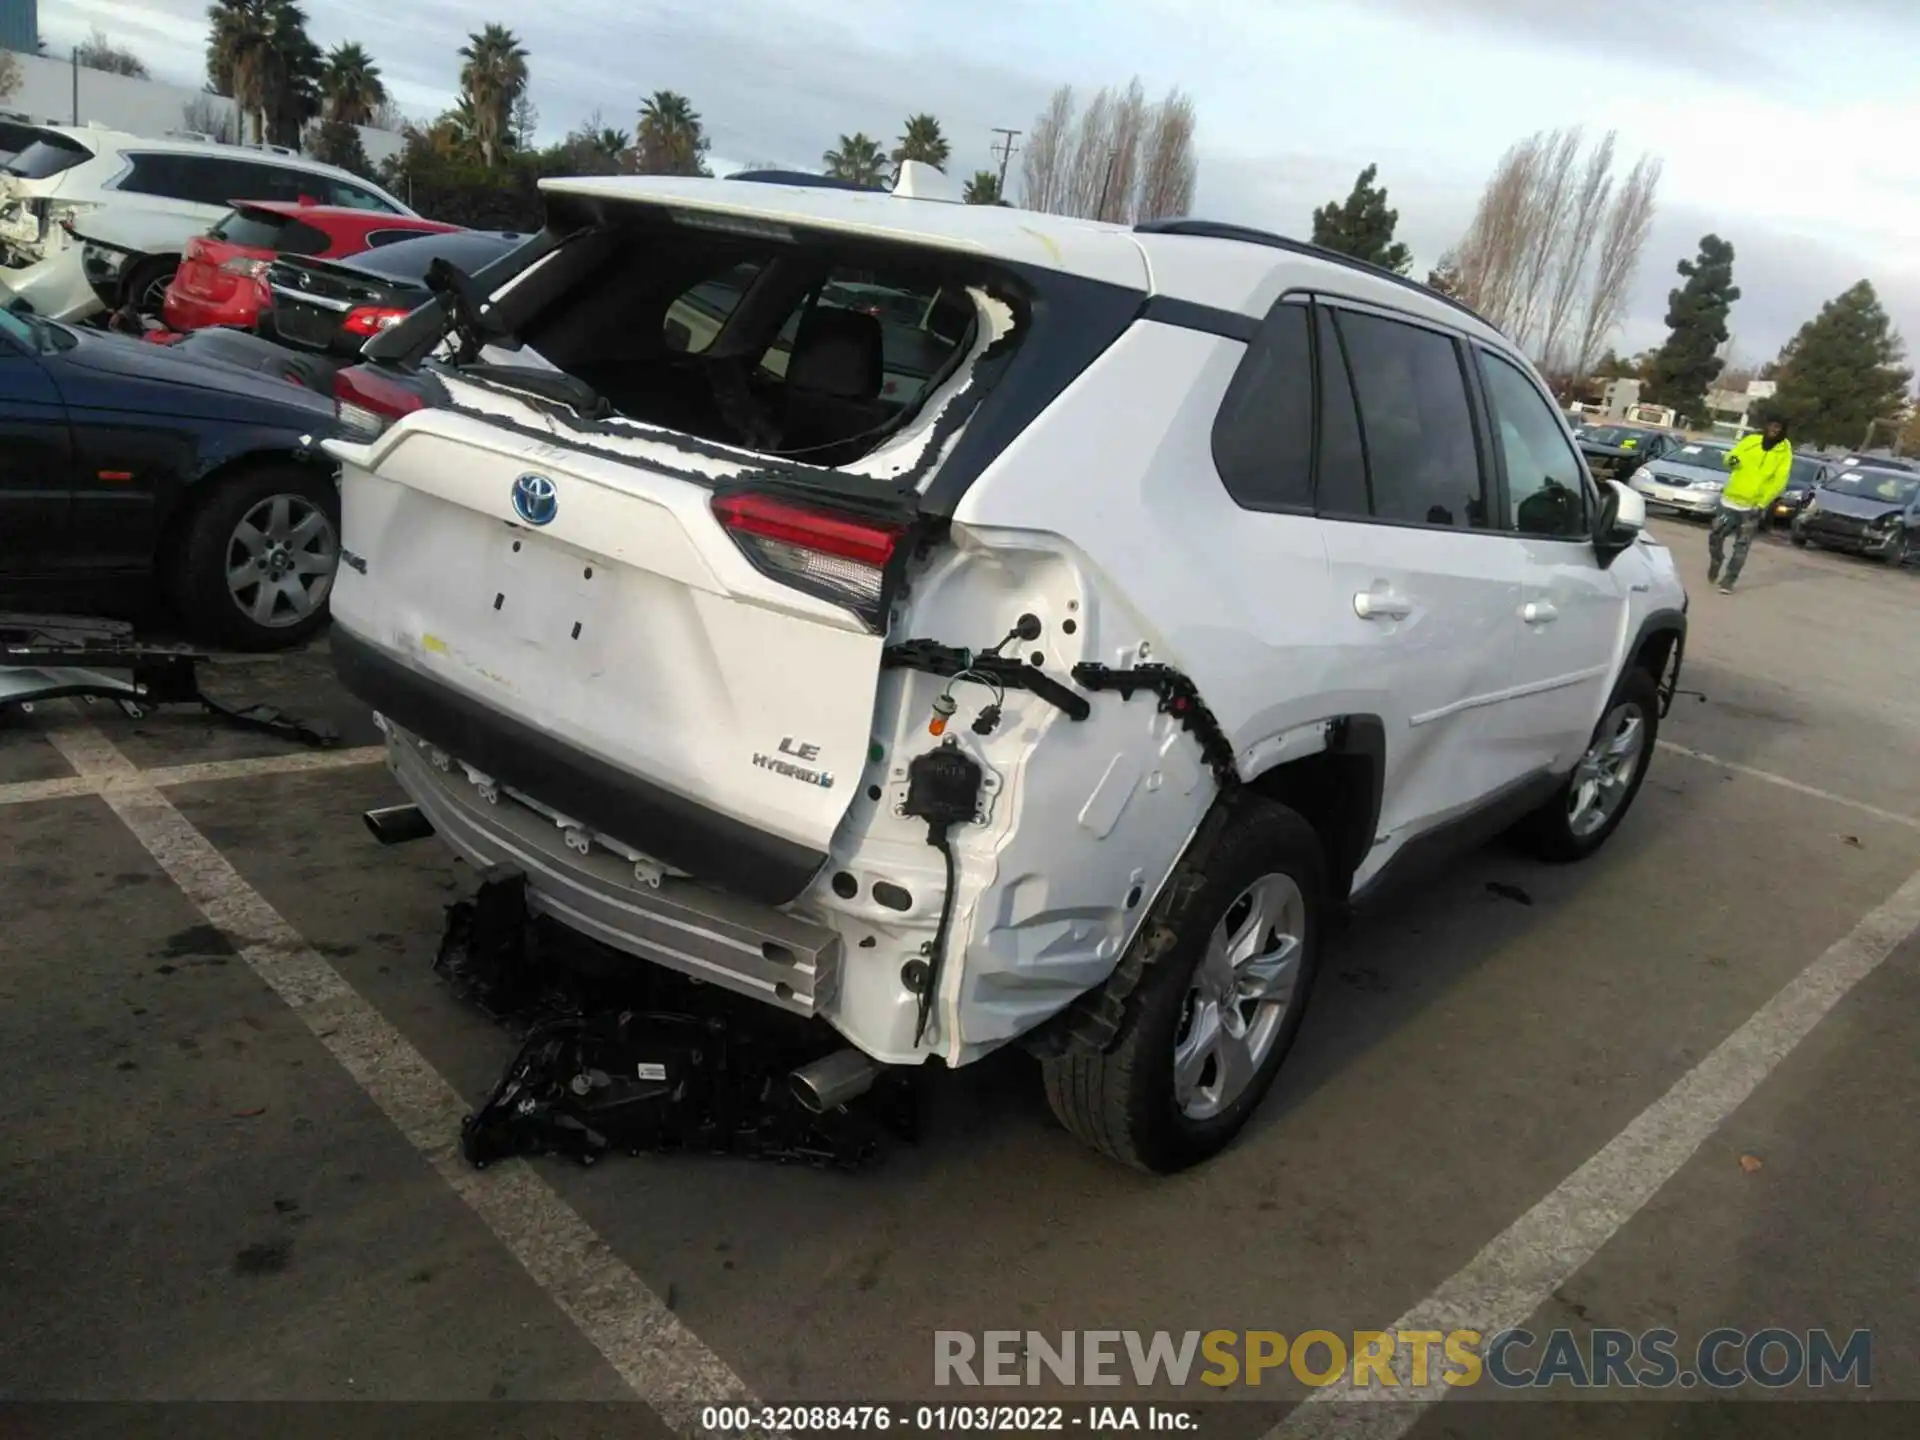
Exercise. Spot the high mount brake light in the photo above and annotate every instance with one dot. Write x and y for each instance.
(834, 554)
(366, 402)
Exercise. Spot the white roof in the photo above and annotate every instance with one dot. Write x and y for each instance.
(1232, 274)
(1053, 242)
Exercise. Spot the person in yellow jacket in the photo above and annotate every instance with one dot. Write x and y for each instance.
(1760, 464)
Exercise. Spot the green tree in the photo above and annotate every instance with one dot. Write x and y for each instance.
(97, 52)
(670, 138)
(1444, 278)
(858, 158)
(1688, 363)
(259, 53)
(337, 142)
(1842, 371)
(983, 188)
(1362, 226)
(924, 142)
(350, 85)
(493, 75)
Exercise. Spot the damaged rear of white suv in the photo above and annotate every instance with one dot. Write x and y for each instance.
(965, 625)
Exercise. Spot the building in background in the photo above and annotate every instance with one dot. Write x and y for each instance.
(20, 26)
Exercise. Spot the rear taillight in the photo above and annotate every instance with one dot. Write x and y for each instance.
(834, 554)
(245, 265)
(371, 320)
(366, 402)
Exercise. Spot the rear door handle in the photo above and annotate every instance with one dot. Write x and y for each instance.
(1539, 612)
(1381, 605)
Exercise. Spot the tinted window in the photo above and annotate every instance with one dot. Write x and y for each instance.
(1545, 493)
(1340, 482)
(1263, 435)
(377, 239)
(1422, 462)
(920, 327)
(349, 196)
(696, 316)
(409, 259)
(47, 156)
(264, 230)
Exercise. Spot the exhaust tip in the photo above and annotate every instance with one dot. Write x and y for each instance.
(833, 1080)
(397, 824)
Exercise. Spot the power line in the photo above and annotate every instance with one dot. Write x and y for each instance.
(1005, 150)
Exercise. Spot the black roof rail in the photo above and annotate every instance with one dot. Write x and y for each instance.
(1218, 230)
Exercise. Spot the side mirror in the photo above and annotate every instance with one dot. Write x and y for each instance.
(1623, 515)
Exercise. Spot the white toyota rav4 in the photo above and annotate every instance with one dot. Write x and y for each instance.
(966, 625)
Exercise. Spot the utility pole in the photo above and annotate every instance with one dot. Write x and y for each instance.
(1005, 149)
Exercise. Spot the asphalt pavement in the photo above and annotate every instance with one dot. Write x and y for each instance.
(1672, 1087)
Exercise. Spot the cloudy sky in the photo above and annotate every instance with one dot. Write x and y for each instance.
(1786, 126)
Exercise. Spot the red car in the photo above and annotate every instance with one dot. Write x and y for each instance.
(222, 277)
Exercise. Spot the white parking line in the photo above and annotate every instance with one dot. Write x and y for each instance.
(21, 792)
(1890, 816)
(1522, 1266)
(661, 1360)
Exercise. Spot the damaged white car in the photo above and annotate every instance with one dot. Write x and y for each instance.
(970, 626)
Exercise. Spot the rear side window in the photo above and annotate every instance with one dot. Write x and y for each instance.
(46, 156)
(698, 314)
(1423, 465)
(1263, 435)
(408, 257)
(264, 230)
(377, 239)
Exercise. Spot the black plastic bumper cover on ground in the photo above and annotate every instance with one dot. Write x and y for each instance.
(669, 827)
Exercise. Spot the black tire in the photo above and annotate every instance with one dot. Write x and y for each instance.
(1799, 540)
(1120, 1099)
(1548, 832)
(200, 577)
(1897, 549)
(143, 278)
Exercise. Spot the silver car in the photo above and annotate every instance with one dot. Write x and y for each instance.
(1688, 478)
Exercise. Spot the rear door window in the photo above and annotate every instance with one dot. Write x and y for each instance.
(264, 230)
(1423, 462)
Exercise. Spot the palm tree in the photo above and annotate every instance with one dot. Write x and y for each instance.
(259, 53)
(858, 158)
(983, 189)
(610, 144)
(244, 59)
(351, 84)
(493, 77)
(924, 142)
(670, 139)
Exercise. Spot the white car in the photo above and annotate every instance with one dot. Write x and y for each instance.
(1210, 583)
(1688, 477)
(140, 201)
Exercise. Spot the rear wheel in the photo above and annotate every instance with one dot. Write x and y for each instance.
(1226, 960)
(1597, 795)
(260, 556)
(146, 290)
(1898, 549)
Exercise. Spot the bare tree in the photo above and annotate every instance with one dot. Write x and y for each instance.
(1170, 170)
(9, 74)
(388, 116)
(1570, 264)
(1119, 159)
(1528, 261)
(1623, 237)
(205, 115)
(1043, 162)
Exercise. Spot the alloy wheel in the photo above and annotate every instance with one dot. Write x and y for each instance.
(281, 561)
(1604, 775)
(1241, 992)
